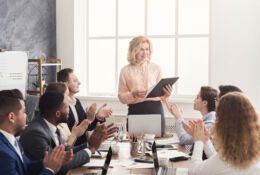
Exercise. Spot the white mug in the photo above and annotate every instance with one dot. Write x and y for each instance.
(115, 149)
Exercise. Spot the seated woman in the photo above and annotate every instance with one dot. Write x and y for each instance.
(236, 136)
(205, 103)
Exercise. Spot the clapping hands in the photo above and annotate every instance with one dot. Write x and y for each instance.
(101, 133)
(174, 109)
(91, 110)
(104, 112)
(57, 158)
(81, 128)
(197, 130)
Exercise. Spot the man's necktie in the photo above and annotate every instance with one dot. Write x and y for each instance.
(16, 146)
(58, 136)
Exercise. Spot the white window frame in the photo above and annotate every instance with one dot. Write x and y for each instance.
(81, 62)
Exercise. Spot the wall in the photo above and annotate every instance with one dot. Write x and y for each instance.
(29, 25)
(235, 45)
(65, 31)
(234, 52)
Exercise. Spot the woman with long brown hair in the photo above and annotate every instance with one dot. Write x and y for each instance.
(236, 138)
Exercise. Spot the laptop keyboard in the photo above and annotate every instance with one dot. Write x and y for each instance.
(168, 171)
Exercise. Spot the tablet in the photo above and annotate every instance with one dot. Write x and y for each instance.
(157, 91)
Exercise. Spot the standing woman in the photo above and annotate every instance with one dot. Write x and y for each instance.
(137, 77)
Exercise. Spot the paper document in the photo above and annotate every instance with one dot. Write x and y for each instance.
(106, 144)
(166, 141)
(98, 154)
(131, 164)
(182, 171)
(99, 163)
(168, 153)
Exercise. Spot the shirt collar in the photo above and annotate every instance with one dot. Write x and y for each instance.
(52, 127)
(209, 115)
(73, 101)
(11, 139)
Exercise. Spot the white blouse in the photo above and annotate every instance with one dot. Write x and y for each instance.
(137, 77)
(214, 165)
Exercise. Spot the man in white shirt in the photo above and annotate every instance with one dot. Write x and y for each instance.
(13, 161)
(76, 111)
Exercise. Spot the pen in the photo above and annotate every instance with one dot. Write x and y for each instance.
(143, 161)
(99, 153)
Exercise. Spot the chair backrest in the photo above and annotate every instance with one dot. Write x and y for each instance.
(31, 105)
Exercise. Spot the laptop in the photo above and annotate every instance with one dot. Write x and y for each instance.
(165, 170)
(145, 124)
(106, 165)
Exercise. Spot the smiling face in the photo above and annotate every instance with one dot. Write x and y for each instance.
(143, 53)
(73, 83)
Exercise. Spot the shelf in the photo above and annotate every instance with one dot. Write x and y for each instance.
(39, 64)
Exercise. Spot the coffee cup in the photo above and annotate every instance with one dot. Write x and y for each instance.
(115, 149)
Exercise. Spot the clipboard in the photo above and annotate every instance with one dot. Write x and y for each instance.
(157, 91)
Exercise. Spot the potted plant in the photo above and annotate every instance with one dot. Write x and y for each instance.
(36, 85)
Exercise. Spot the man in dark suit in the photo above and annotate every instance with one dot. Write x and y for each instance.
(76, 112)
(42, 134)
(13, 161)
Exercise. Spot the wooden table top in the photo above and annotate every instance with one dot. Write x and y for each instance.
(124, 154)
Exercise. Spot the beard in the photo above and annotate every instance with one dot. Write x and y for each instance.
(18, 130)
(63, 117)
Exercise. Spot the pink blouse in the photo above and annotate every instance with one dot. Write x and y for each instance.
(137, 77)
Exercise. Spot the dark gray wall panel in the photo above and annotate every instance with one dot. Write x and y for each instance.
(28, 25)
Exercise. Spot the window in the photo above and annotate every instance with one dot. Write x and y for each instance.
(178, 29)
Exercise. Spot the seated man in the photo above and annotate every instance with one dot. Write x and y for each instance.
(42, 133)
(13, 161)
(77, 130)
(76, 112)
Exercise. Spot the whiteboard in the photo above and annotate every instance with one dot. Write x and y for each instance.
(13, 70)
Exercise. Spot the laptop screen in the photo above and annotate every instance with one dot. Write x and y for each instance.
(145, 124)
(107, 161)
(155, 157)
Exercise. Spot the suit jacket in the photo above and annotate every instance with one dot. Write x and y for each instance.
(81, 115)
(37, 138)
(11, 163)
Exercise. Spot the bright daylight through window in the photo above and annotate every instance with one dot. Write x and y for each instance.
(178, 29)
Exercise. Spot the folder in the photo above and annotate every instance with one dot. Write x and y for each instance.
(157, 91)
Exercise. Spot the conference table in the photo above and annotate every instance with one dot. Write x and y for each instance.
(124, 154)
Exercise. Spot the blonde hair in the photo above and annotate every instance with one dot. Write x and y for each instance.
(134, 47)
(237, 131)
